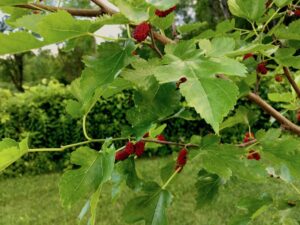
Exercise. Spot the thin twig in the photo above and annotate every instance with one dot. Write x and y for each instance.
(291, 80)
(154, 46)
(287, 124)
(169, 143)
(105, 7)
(258, 79)
(72, 11)
(246, 144)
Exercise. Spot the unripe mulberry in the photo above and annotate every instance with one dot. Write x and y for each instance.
(141, 31)
(139, 148)
(261, 68)
(181, 159)
(164, 13)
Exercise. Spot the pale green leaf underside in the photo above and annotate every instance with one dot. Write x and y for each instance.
(11, 151)
(51, 30)
(151, 207)
(95, 169)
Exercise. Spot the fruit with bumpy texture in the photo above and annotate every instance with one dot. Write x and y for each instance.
(252, 154)
(129, 148)
(121, 155)
(248, 137)
(164, 13)
(160, 137)
(261, 68)
(141, 31)
(297, 12)
(278, 78)
(139, 148)
(247, 56)
(181, 159)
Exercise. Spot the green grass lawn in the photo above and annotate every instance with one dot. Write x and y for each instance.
(35, 200)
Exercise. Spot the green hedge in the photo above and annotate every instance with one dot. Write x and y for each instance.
(40, 112)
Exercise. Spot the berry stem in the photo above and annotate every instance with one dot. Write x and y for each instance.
(171, 178)
(154, 46)
(84, 128)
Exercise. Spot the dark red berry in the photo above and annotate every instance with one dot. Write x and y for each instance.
(121, 155)
(248, 137)
(297, 12)
(247, 56)
(252, 154)
(141, 31)
(298, 116)
(180, 81)
(164, 13)
(129, 148)
(139, 148)
(146, 135)
(160, 137)
(278, 78)
(261, 68)
(181, 159)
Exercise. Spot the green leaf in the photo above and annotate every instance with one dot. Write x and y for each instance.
(227, 160)
(13, 2)
(161, 22)
(187, 28)
(150, 207)
(125, 172)
(253, 207)
(93, 204)
(241, 116)
(283, 151)
(281, 97)
(291, 32)
(281, 3)
(251, 10)
(135, 10)
(285, 57)
(152, 103)
(218, 46)
(202, 90)
(51, 30)
(11, 151)
(98, 78)
(207, 186)
(163, 5)
(95, 169)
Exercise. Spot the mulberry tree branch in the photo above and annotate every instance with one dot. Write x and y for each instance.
(287, 124)
(72, 11)
(291, 80)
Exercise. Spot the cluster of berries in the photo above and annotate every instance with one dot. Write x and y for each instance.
(142, 30)
(138, 148)
(261, 67)
(252, 154)
(249, 136)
